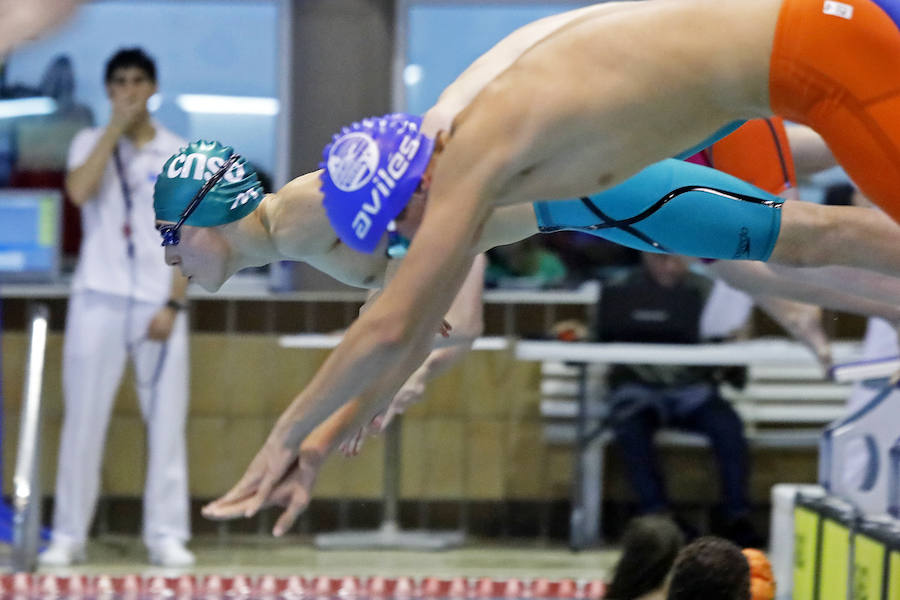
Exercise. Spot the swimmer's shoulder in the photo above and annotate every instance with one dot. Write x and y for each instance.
(353, 268)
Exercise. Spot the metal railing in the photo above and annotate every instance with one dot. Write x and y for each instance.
(26, 480)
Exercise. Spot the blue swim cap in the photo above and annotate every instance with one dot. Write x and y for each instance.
(371, 170)
(236, 195)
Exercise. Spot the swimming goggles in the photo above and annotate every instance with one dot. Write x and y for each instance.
(171, 234)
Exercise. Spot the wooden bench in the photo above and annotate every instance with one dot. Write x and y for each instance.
(785, 403)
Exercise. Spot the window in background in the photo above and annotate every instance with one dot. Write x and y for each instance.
(219, 65)
(438, 40)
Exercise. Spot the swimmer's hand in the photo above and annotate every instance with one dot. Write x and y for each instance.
(275, 476)
(412, 392)
(292, 493)
(293, 482)
(352, 446)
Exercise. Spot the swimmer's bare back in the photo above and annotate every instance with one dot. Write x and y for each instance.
(608, 94)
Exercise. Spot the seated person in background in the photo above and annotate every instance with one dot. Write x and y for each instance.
(649, 547)
(661, 302)
(525, 265)
(712, 569)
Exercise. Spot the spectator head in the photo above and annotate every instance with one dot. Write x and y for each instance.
(710, 568)
(128, 58)
(130, 83)
(667, 270)
(649, 547)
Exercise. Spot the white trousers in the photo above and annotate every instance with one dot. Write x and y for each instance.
(102, 332)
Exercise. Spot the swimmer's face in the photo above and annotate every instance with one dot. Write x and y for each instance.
(203, 255)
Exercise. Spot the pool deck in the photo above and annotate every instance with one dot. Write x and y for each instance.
(231, 555)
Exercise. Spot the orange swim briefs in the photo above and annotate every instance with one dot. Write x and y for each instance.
(757, 152)
(836, 67)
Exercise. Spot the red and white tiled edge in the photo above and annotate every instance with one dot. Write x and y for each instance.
(293, 587)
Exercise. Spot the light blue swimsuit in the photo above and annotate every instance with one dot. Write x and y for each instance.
(676, 207)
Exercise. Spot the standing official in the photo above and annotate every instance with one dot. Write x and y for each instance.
(126, 303)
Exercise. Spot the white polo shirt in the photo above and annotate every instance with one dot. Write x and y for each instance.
(103, 261)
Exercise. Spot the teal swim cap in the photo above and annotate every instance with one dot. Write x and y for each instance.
(235, 196)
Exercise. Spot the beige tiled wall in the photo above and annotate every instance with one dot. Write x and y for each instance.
(457, 444)
(477, 436)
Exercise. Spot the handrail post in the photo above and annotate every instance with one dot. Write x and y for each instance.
(26, 480)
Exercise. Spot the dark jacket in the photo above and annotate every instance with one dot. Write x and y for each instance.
(637, 309)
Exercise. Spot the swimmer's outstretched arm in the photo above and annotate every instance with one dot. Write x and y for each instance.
(466, 315)
(794, 283)
(861, 283)
(392, 338)
(378, 353)
(289, 479)
(294, 491)
(787, 293)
